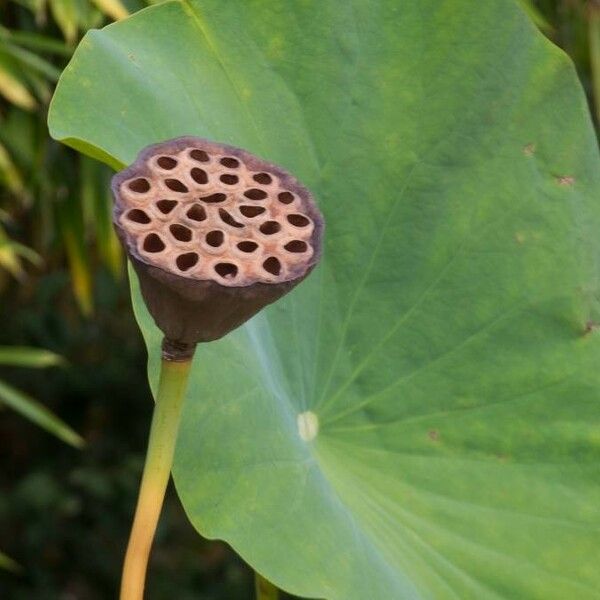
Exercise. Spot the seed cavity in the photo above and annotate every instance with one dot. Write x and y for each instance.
(226, 270)
(214, 198)
(252, 211)
(296, 246)
(230, 162)
(227, 218)
(229, 179)
(196, 213)
(186, 261)
(255, 194)
(166, 162)
(199, 175)
(247, 246)
(166, 206)
(176, 186)
(138, 216)
(181, 232)
(285, 197)
(298, 220)
(262, 178)
(270, 227)
(140, 185)
(199, 155)
(272, 265)
(152, 243)
(215, 238)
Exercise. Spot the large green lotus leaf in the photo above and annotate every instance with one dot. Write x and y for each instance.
(421, 417)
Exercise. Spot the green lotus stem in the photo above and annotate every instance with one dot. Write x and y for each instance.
(159, 458)
(265, 590)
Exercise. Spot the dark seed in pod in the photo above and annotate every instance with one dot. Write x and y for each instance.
(199, 175)
(166, 206)
(262, 178)
(139, 185)
(270, 227)
(226, 270)
(298, 220)
(199, 155)
(196, 213)
(138, 216)
(153, 243)
(230, 163)
(227, 218)
(176, 185)
(215, 238)
(285, 197)
(214, 198)
(272, 265)
(252, 211)
(166, 162)
(186, 261)
(247, 246)
(255, 194)
(181, 232)
(296, 246)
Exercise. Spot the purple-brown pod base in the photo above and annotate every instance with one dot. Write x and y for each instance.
(189, 312)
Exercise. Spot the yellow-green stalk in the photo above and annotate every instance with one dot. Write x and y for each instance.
(159, 458)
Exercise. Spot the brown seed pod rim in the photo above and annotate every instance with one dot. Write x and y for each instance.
(139, 168)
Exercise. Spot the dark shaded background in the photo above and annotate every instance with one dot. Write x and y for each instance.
(65, 514)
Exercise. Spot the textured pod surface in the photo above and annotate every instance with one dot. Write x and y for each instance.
(215, 234)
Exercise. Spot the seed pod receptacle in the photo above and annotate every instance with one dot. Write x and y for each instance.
(214, 234)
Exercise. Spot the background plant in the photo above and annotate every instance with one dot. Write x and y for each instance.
(56, 200)
(30, 408)
(26, 406)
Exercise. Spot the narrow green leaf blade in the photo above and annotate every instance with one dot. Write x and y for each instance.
(112, 8)
(11, 84)
(33, 62)
(64, 13)
(70, 217)
(37, 413)
(8, 564)
(35, 41)
(10, 175)
(21, 356)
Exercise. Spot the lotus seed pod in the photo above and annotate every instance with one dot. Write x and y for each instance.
(214, 234)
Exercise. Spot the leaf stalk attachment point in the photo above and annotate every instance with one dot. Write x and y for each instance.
(175, 369)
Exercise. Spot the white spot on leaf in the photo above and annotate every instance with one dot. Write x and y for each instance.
(308, 425)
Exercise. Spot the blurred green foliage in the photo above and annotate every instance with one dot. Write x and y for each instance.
(574, 25)
(65, 516)
(54, 204)
(24, 404)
